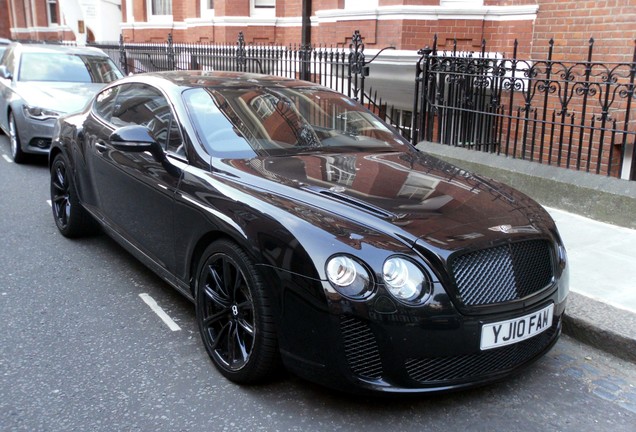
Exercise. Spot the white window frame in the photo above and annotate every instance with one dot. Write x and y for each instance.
(49, 3)
(205, 11)
(156, 17)
(262, 12)
(130, 17)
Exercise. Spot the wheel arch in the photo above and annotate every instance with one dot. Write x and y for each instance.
(199, 248)
(251, 250)
(52, 154)
(10, 110)
(7, 116)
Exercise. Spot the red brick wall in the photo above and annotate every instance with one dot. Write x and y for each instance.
(123, 11)
(500, 37)
(40, 16)
(5, 25)
(325, 5)
(284, 36)
(232, 7)
(148, 35)
(139, 10)
(18, 12)
(571, 23)
(288, 8)
(252, 34)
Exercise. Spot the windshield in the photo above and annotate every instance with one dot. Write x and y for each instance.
(281, 121)
(64, 67)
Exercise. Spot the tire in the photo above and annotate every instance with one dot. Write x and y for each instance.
(71, 218)
(234, 315)
(17, 154)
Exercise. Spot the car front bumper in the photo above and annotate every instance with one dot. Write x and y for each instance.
(35, 135)
(359, 348)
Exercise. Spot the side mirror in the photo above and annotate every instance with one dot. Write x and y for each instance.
(4, 73)
(136, 139)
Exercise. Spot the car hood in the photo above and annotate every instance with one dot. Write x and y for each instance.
(63, 97)
(421, 196)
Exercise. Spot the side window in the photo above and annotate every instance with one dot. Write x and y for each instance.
(175, 142)
(104, 103)
(146, 106)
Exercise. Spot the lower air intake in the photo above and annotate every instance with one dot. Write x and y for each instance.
(448, 369)
(361, 348)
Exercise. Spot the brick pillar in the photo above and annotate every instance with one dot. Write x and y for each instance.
(182, 9)
(5, 25)
(231, 8)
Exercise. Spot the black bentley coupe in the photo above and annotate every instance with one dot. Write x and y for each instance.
(309, 234)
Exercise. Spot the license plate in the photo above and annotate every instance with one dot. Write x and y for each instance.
(508, 332)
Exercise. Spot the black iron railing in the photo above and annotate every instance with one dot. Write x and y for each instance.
(331, 67)
(575, 115)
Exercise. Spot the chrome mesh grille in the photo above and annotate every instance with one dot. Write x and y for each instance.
(502, 274)
(473, 366)
(361, 348)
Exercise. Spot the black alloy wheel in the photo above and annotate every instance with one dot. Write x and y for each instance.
(70, 217)
(17, 154)
(234, 315)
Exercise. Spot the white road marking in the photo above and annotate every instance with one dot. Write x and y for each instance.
(7, 158)
(157, 309)
(49, 203)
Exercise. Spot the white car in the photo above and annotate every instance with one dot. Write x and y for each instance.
(39, 83)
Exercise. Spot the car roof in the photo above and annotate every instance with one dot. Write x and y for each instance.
(4, 41)
(44, 48)
(197, 78)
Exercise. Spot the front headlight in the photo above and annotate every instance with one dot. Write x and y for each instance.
(349, 277)
(405, 281)
(38, 113)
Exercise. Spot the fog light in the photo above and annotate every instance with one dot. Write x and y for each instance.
(42, 143)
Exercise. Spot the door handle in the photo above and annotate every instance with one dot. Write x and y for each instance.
(100, 146)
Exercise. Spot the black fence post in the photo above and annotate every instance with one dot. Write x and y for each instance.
(420, 99)
(170, 51)
(357, 66)
(423, 110)
(305, 62)
(241, 53)
(123, 60)
(629, 94)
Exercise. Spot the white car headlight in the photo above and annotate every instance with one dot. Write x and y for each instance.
(405, 281)
(38, 113)
(349, 277)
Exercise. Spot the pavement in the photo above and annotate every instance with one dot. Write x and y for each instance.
(601, 308)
